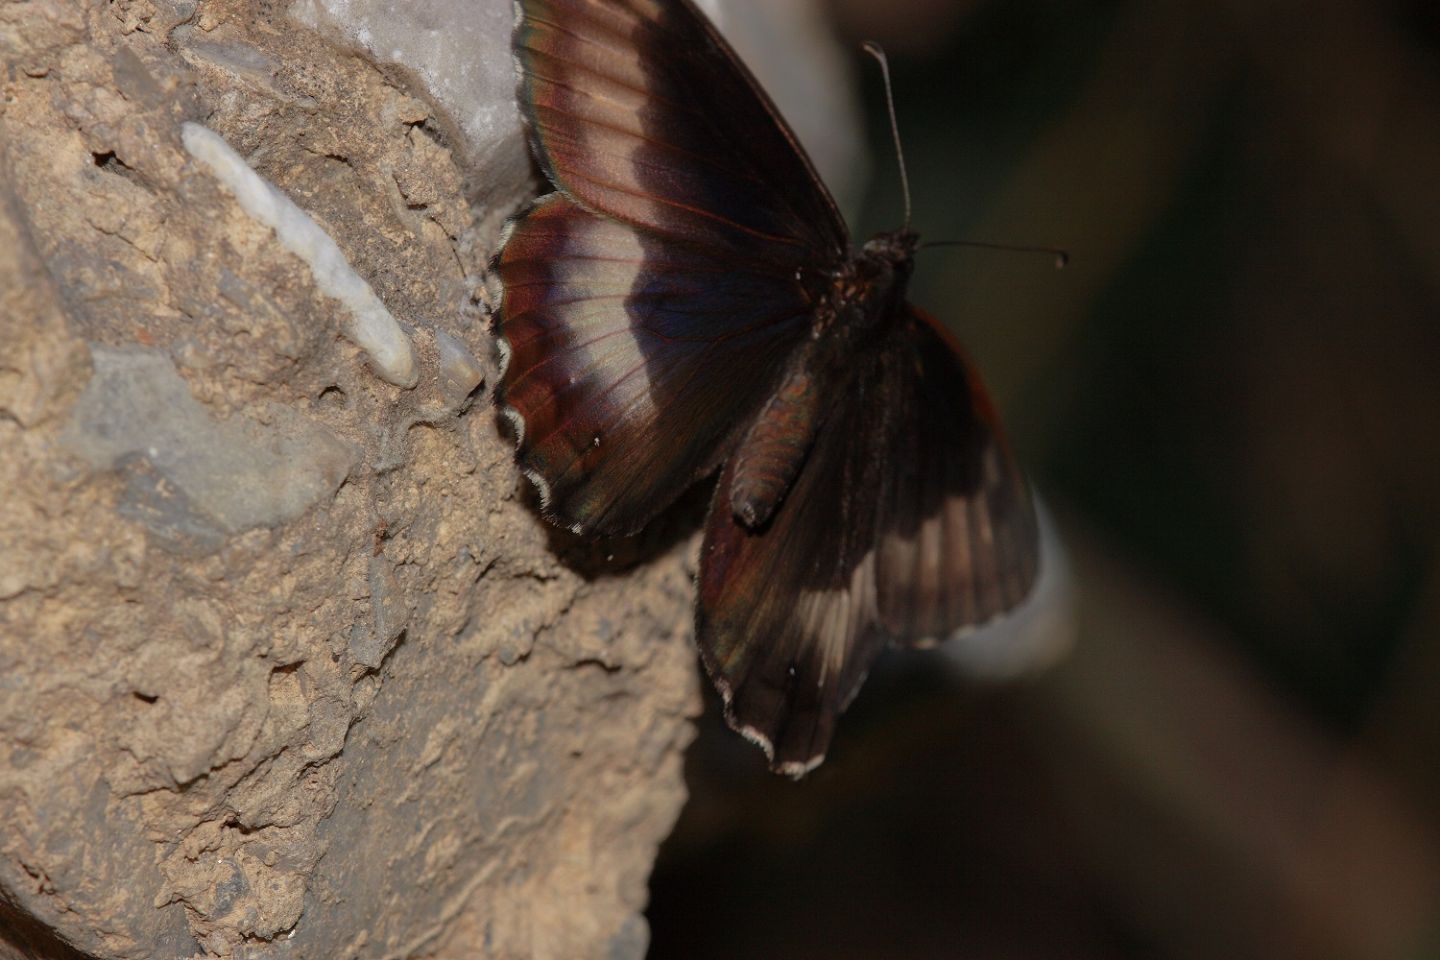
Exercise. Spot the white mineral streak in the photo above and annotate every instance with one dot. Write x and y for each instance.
(371, 326)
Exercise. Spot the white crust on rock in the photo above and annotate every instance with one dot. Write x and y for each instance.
(371, 326)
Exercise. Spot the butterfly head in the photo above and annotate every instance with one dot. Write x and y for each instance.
(871, 285)
(895, 248)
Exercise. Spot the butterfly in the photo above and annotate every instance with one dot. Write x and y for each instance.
(688, 302)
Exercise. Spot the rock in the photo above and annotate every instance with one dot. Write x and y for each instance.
(288, 665)
(458, 53)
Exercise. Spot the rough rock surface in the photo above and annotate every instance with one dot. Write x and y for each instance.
(289, 666)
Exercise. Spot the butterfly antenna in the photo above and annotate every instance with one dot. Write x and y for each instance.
(1062, 256)
(873, 48)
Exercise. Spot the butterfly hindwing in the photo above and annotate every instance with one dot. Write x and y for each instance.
(638, 110)
(958, 543)
(909, 522)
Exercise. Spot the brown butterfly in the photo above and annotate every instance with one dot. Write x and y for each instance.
(688, 301)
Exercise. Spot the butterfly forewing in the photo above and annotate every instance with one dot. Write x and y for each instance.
(650, 305)
(630, 361)
(639, 111)
(908, 523)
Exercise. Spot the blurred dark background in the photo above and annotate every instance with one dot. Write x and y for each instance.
(1231, 404)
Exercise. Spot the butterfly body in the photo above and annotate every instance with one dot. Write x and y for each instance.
(852, 308)
(688, 303)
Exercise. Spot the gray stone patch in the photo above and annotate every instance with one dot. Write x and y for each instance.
(460, 373)
(152, 500)
(240, 59)
(190, 475)
(230, 890)
(631, 941)
(459, 51)
(392, 615)
(134, 78)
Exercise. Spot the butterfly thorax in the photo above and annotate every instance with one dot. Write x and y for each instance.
(863, 297)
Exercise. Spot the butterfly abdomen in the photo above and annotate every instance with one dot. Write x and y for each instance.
(774, 447)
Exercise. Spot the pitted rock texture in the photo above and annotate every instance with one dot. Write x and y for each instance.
(289, 666)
